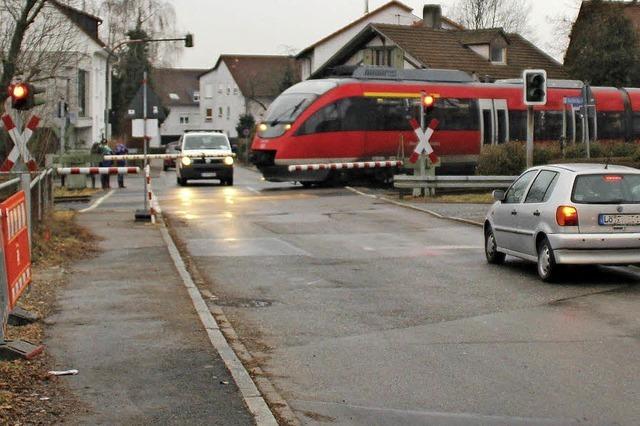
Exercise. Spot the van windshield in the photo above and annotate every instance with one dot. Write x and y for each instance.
(609, 188)
(213, 141)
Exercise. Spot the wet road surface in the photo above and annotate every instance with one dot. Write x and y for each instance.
(363, 312)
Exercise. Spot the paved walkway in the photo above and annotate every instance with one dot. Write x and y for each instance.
(127, 324)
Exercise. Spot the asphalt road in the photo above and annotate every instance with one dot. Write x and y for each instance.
(363, 312)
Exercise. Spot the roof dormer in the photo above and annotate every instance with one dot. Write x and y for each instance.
(491, 44)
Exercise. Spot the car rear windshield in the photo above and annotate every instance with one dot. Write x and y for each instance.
(609, 188)
(206, 142)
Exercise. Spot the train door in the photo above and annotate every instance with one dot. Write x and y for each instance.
(494, 121)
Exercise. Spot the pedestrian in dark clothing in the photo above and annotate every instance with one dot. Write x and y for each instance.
(105, 149)
(121, 149)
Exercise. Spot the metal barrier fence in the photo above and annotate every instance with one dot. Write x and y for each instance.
(453, 182)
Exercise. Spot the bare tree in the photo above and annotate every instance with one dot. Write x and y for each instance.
(511, 15)
(36, 42)
(562, 25)
(157, 18)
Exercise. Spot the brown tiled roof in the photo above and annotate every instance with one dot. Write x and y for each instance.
(446, 49)
(182, 82)
(354, 23)
(484, 36)
(259, 75)
(85, 21)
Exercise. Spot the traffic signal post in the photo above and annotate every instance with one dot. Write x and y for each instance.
(535, 93)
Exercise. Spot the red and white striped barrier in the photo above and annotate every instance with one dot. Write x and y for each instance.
(165, 156)
(98, 170)
(345, 166)
(154, 207)
(20, 143)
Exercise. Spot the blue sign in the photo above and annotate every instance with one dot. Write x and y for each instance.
(574, 100)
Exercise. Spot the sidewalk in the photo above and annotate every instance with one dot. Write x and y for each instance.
(126, 322)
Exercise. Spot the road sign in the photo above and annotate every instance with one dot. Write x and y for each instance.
(577, 101)
(20, 140)
(137, 128)
(424, 136)
(15, 240)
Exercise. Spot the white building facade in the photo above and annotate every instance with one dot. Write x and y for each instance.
(242, 84)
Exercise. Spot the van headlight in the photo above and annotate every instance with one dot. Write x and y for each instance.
(186, 161)
(228, 161)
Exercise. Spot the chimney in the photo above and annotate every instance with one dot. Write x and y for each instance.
(432, 16)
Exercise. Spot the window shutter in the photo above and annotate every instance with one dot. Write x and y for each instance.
(397, 58)
(367, 56)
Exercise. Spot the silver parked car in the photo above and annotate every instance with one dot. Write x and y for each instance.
(567, 214)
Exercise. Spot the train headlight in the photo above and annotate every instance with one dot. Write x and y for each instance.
(262, 127)
(287, 127)
(186, 161)
(228, 161)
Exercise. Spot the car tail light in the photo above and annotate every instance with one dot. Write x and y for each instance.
(567, 216)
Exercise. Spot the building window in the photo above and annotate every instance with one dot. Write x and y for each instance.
(209, 116)
(382, 57)
(184, 119)
(220, 112)
(196, 96)
(228, 113)
(208, 91)
(220, 88)
(228, 90)
(498, 55)
(82, 93)
(235, 90)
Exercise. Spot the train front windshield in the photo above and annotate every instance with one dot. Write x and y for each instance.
(288, 106)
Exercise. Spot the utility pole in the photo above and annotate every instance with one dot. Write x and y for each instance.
(366, 6)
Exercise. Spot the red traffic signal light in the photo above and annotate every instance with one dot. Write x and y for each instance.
(23, 96)
(19, 93)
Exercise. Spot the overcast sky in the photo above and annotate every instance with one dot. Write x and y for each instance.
(287, 26)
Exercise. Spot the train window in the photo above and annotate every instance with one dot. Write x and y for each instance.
(455, 114)
(636, 125)
(569, 117)
(610, 125)
(389, 115)
(517, 125)
(326, 119)
(548, 125)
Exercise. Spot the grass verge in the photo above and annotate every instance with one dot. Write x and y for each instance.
(28, 395)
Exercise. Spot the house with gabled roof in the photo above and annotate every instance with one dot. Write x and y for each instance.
(243, 84)
(179, 93)
(315, 56)
(488, 54)
(76, 72)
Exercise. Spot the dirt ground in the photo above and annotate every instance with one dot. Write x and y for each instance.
(28, 395)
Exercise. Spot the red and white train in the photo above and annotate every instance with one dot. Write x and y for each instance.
(365, 117)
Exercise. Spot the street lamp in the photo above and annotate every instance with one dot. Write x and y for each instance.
(188, 42)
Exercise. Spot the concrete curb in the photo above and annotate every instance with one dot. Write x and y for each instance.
(250, 393)
(412, 207)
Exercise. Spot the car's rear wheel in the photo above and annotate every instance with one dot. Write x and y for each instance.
(547, 267)
(181, 181)
(491, 248)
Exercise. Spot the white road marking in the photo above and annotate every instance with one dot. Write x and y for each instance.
(252, 397)
(99, 201)
(255, 191)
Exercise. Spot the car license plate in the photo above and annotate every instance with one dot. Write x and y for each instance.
(619, 219)
(212, 174)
